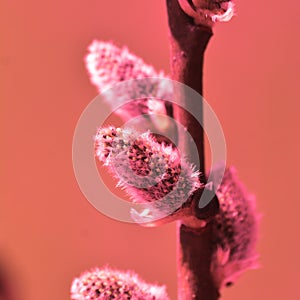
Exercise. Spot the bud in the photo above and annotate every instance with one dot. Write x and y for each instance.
(108, 65)
(149, 171)
(104, 284)
(235, 230)
(208, 12)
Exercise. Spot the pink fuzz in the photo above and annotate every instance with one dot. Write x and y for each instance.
(108, 65)
(235, 230)
(148, 170)
(104, 284)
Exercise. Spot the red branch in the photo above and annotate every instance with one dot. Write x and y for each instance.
(195, 246)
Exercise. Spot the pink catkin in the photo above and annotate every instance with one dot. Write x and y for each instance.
(149, 171)
(235, 230)
(108, 65)
(106, 283)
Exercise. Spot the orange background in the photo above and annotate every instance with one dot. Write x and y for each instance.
(48, 230)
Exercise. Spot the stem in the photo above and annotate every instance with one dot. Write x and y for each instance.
(6, 292)
(188, 44)
(195, 245)
(194, 259)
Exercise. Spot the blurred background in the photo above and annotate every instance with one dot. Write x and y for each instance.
(49, 232)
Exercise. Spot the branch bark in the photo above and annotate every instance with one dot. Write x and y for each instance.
(195, 245)
(188, 43)
(195, 248)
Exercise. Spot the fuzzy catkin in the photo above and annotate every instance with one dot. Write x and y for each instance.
(235, 230)
(108, 65)
(106, 283)
(149, 171)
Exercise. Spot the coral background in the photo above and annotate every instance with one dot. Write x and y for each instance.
(48, 231)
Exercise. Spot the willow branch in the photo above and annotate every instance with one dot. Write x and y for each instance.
(195, 246)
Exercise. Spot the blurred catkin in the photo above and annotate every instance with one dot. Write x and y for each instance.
(106, 284)
(109, 65)
(235, 230)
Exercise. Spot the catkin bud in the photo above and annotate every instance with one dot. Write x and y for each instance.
(208, 12)
(149, 171)
(105, 284)
(235, 230)
(108, 65)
